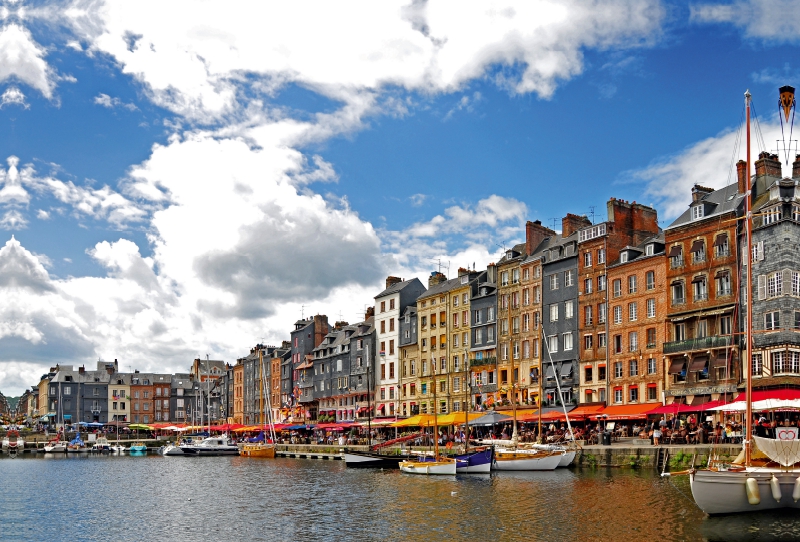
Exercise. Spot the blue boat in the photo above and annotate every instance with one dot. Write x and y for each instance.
(477, 461)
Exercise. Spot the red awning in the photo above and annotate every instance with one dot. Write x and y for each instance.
(627, 412)
(760, 395)
(676, 408)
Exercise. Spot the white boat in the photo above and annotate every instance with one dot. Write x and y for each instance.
(170, 449)
(209, 446)
(117, 448)
(101, 445)
(566, 459)
(517, 459)
(440, 466)
(56, 447)
(13, 442)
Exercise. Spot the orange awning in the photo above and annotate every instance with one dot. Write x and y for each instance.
(627, 412)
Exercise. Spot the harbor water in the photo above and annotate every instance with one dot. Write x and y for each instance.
(236, 498)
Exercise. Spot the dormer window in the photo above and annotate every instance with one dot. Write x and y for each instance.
(697, 212)
(623, 257)
(509, 255)
(464, 279)
(649, 250)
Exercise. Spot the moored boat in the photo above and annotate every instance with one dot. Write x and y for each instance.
(56, 446)
(13, 442)
(138, 447)
(101, 445)
(512, 459)
(476, 461)
(209, 446)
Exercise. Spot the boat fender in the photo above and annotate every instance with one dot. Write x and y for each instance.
(753, 494)
(796, 491)
(775, 486)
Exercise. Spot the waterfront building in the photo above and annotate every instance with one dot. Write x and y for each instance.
(776, 269)
(459, 344)
(483, 338)
(119, 397)
(560, 307)
(162, 384)
(409, 362)
(363, 366)
(182, 397)
(47, 401)
(636, 327)
(701, 252)
(389, 305)
(307, 335)
(238, 392)
(141, 397)
(509, 315)
(281, 357)
(627, 224)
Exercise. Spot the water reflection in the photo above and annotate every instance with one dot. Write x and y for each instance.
(224, 498)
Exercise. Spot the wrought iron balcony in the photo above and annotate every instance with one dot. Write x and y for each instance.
(473, 363)
(703, 343)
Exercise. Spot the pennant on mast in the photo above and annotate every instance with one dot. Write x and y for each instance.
(787, 101)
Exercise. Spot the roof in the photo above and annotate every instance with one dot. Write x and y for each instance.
(718, 202)
(394, 288)
(519, 249)
(441, 288)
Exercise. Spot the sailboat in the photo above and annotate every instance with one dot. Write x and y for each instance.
(767, 476)
(439, 464)
(480, 459)
(265, 448)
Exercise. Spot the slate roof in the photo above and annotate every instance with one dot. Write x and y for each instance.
(394, 288)
(718, 202)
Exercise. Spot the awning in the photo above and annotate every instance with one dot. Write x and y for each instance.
(675, 251)
(420, 420)
(699, 278)
(722, 273)
(582, 412)
(652, 385)
(721, 240)
(457, 418)
(697, 246)
(566, 368)
(676, 367)
(760, 395)
(627, 412)
(67, 416)
(720, 360)
(698, 364)
(550, 372)
(674, 408)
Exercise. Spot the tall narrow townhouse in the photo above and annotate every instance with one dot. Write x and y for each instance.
(560, 307)
(536, 237)
(509, 317)
(119, 390)
(363, 364)
(162, 389)
(627, 224)
(432, 318)
(280, 358)
(775, 290)
(389, 305)
(701, 351)
(483, 343)
(636, 330)
(295, 395)
(142, 397)
(409, 362)
(459, 335)
(330, 363)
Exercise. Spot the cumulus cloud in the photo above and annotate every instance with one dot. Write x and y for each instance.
(770, 20)
(22, 59)
(13, 96)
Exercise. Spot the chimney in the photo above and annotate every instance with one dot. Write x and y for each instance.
(339, 325)
(81, 369)
(796, 167)
(699, 192)
(535, 233)
(436, 277)
(391, 281)
(369, 313)
(572, 223)
(491, 273)
(768, 164)
(462, 271)
(741, 175)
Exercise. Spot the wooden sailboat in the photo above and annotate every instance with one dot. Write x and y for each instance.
(480, 459)
(267, 447)
(767, 476)
(440, 464)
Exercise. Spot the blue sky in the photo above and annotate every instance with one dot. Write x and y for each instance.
(190, 178)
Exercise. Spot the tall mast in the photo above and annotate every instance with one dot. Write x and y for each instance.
(514, 435)
(541, 378)
(748, 299)
(466, 401)
(369, 403)
(435, 418)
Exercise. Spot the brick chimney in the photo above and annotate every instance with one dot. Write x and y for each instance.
(462, 271)
(338, 326)
(535, 233)
(741, 175)
(572, 223)
(391, 281)
(491, 273)
(796, 167)
(320, 328)
(81, 369)
(369, 313)
(699, 192)
(436, 278)
(768, 164)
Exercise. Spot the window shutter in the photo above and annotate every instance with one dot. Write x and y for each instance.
(787, 281)
(762, 287)
(760, 247)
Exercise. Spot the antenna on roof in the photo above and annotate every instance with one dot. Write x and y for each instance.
(440, 265)
(554, 221)
(502, 245)
(302, 312)
(591, 212)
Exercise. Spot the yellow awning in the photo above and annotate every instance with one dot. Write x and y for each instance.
(457, 418)
(419, 420)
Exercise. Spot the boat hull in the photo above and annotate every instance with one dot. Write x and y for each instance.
(258, 450)
(369, 460)
(58, 448)
(526, 461)
(441, 467)
(478, 462)
(723, 492)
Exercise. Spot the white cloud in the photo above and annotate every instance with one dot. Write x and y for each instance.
(22, 59)
(13, 220)
(418, 199)
(13, 96)
(466, 103)
(770, 20)
(41, 214)
(107, 101)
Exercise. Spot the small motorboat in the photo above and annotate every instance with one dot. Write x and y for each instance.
(101, 445)
(118, 448)
(56, 446)
(13, 442)
(77, 446)
(210, 446)
(138, 447)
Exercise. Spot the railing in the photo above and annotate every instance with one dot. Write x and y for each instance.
(676, 262)
(482, 362)
(701, 297)
(678, 300)
(703, 343)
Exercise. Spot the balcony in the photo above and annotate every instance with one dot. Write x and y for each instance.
(678, 300)
(676, 262)
(474, 363)
(703, 343)
(703, 296)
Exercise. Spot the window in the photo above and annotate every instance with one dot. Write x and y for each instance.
(554, 281)
(680, 332)
(587, 374)
(569, 278)
(514, 276)
(383, 308)
(601, 375)
(526, 297)
(678, 293)
(723, 283)
(623, 257)
(601, 340)
(526, 274)
(526, 349)
(758, 251)
(618, 395)
(651, 366)
(587, 286)
(633, 310)
(568, 310)
(633, 368)
(772, 320)
(649, 250)
(391, 304)
(652, 393)
(587, 342)
(617, 369)
(515, 349)
(770, 216)
(601, 283)
(632, 284)
(697, 212)
(587, 315)
(724, 325)
(650, 305)
(617, 344)
(489, 314)
(675, 257)
(633, 394)
(699, 290)
(650, 280)
(567, 338)
(526, 322)
(721, 249)
(552, 343)
(617, 287)
(698, 251)
(601, 255)
(601, 313)
(775, 284)
(651, 337)
(554, 312)
(757, 365)
(617, 314)
(779, 364)
(587, 258)
(633, 341)
(795, 283)
(456, 298)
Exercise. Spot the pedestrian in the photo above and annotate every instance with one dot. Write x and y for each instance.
(656, 437)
